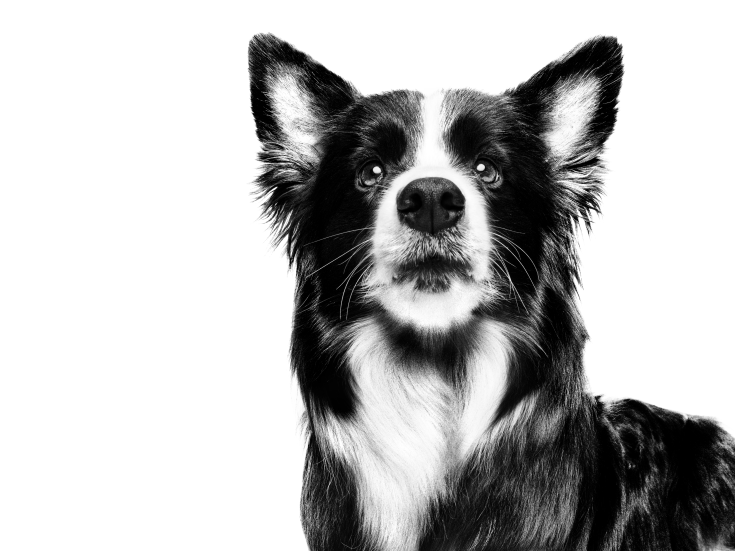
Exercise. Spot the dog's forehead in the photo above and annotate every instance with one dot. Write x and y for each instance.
(444, 118)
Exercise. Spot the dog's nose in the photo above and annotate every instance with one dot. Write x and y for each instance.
(430, 204)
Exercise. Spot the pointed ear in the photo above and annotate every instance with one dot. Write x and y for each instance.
(293, 99)
(572, 102)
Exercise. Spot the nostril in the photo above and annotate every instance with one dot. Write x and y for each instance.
(410, 202)
(452, 201)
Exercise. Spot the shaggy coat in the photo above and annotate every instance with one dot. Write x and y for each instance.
(439, 352)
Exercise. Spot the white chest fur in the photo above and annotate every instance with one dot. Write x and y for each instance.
(410, 431)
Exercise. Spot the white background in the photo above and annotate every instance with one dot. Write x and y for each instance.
(145, 396)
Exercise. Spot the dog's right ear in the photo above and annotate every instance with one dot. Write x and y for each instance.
(293, 100)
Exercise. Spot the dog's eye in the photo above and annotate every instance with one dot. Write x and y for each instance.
(371, 174)
(487, 172)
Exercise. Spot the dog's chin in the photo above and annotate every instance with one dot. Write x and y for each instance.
(431, 300)
(433, 275)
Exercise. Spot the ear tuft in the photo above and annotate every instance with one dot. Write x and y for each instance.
(572, 103)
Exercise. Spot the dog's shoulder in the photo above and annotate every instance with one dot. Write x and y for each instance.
(683, 466)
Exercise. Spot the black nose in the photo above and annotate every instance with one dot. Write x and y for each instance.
(430, 204)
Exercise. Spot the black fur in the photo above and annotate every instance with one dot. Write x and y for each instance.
(574, 473)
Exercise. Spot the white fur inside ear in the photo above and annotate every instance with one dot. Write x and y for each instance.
(573, 104)
(293, 110)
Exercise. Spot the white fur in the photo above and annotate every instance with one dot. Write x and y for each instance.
(717, 547)
(294, 112)
(432, 152)
(397, 442)
(411, 430)
(390, 238)
(486, 383)
(572, 106)
(431, 310)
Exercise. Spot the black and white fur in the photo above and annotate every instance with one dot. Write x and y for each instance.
(441, 371)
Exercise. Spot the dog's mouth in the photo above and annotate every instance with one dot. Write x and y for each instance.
(433, 273)
(431, 263)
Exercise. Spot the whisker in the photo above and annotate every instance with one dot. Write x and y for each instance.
(513, 287)
(517, 247)
(359, 234)
(345, 283)
(496, 268)
(345, 262)
(357, 284)
(348, 251)
(506, 229)
(362, 261)
(338, 234)
(521, 263)
(509, 287)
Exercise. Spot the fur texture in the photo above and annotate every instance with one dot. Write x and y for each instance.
(442, 370)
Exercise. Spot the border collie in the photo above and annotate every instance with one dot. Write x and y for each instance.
(437, 341)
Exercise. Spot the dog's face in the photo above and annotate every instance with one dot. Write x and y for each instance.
(430, 209)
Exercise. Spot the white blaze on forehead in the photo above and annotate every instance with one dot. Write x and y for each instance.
(573, 105)
(432, 151)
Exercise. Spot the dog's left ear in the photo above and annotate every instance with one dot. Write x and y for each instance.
(572, 104)
(293, 100)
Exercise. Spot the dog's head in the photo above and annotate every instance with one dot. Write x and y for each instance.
(431, 209)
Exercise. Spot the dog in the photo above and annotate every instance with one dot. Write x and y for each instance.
(437, 341)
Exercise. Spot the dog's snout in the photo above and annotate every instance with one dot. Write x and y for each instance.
(430, 204)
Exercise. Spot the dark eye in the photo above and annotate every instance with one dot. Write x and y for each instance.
(487, 172)
(370, 174)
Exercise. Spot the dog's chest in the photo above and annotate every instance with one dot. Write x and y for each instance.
(411, 430)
